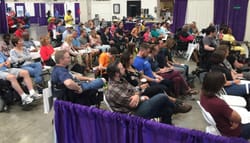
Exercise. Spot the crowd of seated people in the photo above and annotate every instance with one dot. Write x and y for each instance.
(165, 78)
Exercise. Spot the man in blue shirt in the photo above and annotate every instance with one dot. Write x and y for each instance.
(142, 65)
(77, 83)
(11, 74)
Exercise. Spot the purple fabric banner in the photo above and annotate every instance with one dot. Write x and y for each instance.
(40, 14)
(3, 25)
(232, 13)
(43, 19)
(77, 13)
(179, 15)
(35, 19)
(221, 11)
(18, 11)
(80, 124)
(60, 8)
(238, 17)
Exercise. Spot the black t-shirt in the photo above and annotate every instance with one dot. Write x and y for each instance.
(222, 68)
(231, 60)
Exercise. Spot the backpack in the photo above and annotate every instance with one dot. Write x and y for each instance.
(8, 95)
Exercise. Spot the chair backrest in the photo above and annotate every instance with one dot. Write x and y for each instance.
(207, 116)
(210, 120)
(106, 102)
(232, 100)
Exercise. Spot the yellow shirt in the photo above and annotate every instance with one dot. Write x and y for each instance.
(228, 37)
(68, 19)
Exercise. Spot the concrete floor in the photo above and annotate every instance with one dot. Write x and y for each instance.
(34, 126)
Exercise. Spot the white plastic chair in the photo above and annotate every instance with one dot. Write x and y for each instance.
(212, 129)
(106, 102)
(244, 114)
(232, 100)
(190, 50)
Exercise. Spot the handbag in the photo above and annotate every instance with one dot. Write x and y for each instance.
(49, 62)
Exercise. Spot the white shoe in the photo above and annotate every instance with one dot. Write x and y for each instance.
(36, 96)
(27, 100)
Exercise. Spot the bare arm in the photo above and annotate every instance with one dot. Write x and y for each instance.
(235, 120)
(70, 84)
(208, 48)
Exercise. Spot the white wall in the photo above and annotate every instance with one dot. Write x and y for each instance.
(83, 10)
(201, 11)
(150, 4)
(123, 8)
(103, 8)
(11, 4)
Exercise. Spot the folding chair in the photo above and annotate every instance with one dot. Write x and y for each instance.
(212, 129)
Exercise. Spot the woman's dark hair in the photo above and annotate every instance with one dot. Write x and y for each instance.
(210, 29)
(223, 47)
(226, 30)
(113, 51)
(112, 69)
(14, 40)
(213, 83)
(217, 57)
(223, 27)
(6, 35)
(125, 58)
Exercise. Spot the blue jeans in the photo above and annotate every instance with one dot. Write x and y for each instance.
(157, 106)
(245, 131)
(235, 89)
(183, 69)
(95, 84)
(35, 71)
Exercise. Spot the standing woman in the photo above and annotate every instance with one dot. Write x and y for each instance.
(19, 54)
(46, 51)
(227, 120)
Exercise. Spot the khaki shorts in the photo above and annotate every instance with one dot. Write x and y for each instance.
(5, 73)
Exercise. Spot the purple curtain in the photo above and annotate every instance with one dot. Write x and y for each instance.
(3, 25)
(77, 13)
(129, 25)
(60, 8)
(42, 19)
(40, 14)
(80, 124)
(232, 13)
(35, 19)
(180, 7)
(238, 17)
(20, 4)
(221, 11)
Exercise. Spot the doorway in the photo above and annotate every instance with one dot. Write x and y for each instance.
(133, 8)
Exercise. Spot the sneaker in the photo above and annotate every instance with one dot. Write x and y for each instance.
(182, 107)
(27, 100)
(36, 96)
